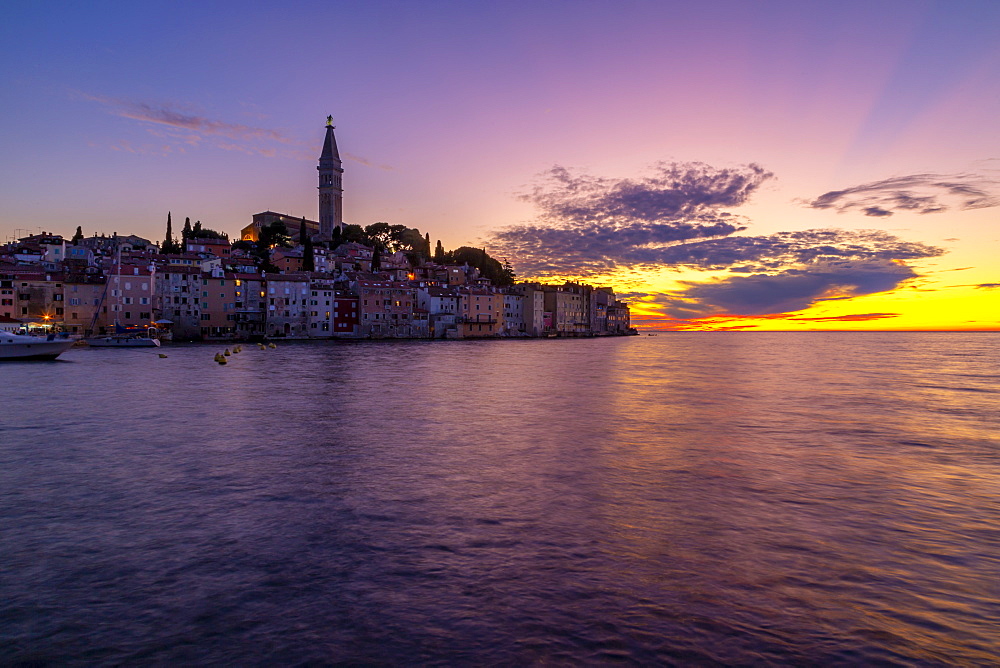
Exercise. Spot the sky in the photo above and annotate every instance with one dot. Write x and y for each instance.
(722, 164)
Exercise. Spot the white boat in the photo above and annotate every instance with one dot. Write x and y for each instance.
(125, 339)
(27, 347)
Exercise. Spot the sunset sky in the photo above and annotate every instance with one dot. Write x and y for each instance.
(749, 165)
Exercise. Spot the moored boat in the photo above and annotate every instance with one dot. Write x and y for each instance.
(125, 338)
(28, 347)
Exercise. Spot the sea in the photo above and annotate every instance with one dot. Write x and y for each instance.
(691, 498)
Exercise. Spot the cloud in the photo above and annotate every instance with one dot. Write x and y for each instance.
(988, 286)
(592, 224)
(918, 193)
(787, 291)
(590, 249)
(183, 127)
(366, 162)
(853, 317)
(672, 192)
(676, 218)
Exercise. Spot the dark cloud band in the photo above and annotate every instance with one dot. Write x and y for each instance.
(917, 193)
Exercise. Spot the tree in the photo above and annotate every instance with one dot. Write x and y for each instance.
(427, 246)
(376, 259)
(487, 266)
(439, 253)
(508, 273)
(336, 238)
(308, 254)
(354, 233)
(196, 230)
(275, 234)
(186, 232)
(379, 234)
(169, 245)
(78, 237)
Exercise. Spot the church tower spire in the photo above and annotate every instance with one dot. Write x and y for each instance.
(331, 191)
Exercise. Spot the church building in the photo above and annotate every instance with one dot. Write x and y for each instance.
(331, 199)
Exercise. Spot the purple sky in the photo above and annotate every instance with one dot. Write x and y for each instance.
(449, 112)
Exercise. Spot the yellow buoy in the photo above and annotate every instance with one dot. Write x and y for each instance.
(236, 350)
(271, 345)
(227, 353)
(162, 355)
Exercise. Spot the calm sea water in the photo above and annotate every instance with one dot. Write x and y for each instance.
(692, 498)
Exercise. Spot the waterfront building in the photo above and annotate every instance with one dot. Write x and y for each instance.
(346, 321)
(218, 305)
(386, 308)
(321, 313)
(130, 295)
(287, 305)
(35, 295)
(602, 299)
(513, 314)
(533, 309)
(442, 308)
(251, 305)
(84, 313)
(177, 292)
(481, 312)
(619, 319)
(569, 306)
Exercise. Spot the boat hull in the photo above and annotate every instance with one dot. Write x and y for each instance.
(33, 350)
(122, 342)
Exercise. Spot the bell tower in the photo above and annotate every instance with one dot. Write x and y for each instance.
(331, 191)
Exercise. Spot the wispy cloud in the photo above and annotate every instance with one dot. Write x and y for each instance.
(182, 127)
(916, 193)
(988, 286)
(366, 162)
(793, 289)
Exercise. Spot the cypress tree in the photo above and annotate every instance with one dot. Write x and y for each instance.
(78, 237)
(427, 245)
(439, 253)
(376, 259)
(308, 253)
(309, 256)
(186, 232)
(168, 241)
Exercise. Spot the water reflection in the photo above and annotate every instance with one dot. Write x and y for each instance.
(726, 498)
